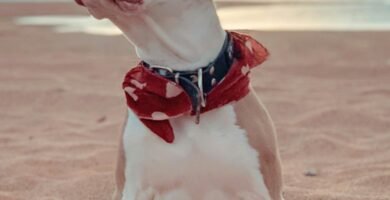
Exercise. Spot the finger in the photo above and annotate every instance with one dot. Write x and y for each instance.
(127, 6)
(110, 5)
(80, 2)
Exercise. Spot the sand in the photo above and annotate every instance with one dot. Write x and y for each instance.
(62, 108)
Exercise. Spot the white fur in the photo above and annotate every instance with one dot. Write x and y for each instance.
(209, 161)
(180, 34)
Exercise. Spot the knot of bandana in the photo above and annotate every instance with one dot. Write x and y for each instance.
(155, 99)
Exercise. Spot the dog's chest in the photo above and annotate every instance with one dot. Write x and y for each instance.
(212, 155)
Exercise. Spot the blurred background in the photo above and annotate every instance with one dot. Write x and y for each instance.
(327, 87)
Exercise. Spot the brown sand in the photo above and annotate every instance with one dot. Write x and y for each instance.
(62, 108)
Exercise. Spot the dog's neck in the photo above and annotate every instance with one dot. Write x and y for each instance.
(182, 35)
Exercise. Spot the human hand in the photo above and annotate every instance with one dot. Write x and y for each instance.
(111, 9)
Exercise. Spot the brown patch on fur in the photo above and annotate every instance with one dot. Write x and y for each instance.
(254, 118)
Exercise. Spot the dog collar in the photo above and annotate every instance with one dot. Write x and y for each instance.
(198, 83)
(158, 94)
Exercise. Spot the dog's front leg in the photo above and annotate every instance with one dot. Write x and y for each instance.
(127, 171)
(254, 118)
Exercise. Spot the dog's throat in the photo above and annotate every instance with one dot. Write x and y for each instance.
(198, 83)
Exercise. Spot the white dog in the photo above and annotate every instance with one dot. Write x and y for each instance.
(231, 154)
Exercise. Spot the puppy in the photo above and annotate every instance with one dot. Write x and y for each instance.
(227, 152)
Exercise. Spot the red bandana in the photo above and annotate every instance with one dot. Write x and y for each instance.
(155, 99)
